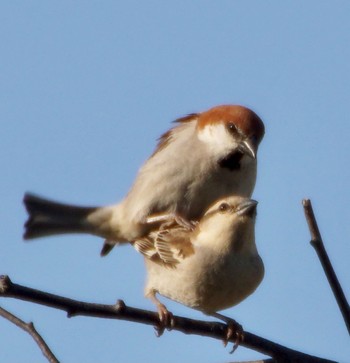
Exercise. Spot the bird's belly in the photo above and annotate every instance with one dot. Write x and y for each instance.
(210, 287)
(222, 184)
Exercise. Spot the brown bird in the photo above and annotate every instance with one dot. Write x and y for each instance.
(210, 265)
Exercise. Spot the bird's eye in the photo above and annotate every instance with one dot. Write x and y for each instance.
(224, 207)
(232, 128)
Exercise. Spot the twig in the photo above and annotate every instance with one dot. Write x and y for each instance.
(30, 329)
(121, 311)
(317, 243)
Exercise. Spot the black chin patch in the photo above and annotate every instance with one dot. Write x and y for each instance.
(231, 161)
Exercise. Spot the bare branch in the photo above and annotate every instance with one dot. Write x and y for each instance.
(30, 329)
(121, 311)
(317, 243)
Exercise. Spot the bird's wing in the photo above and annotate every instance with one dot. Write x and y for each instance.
(169, 244)
(166, 138)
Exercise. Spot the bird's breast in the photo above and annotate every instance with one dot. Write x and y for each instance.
(207, 284)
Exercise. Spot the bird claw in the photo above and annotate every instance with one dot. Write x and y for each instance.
(174, 219)
(183, 222)
(166, 320)
(235, 330)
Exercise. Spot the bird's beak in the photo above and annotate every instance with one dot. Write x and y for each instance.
(246, 207)
(249, 147)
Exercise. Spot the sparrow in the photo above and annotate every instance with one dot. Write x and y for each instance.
(209, 265)
(204, 157)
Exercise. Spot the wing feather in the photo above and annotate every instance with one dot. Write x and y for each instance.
(168, 245)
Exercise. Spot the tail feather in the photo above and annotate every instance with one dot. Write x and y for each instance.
(49, 218)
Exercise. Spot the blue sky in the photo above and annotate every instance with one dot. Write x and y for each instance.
(87, 87)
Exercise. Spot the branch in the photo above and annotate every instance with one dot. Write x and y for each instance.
(30, 329)
(317, 243)
(123, 312)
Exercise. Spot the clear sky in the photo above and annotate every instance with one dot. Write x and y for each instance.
(87, 87)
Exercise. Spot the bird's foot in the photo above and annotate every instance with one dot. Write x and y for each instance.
(186, 224)
(234, 330)
(166, 320)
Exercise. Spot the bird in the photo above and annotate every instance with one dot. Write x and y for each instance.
(208, 265)
(204, 157)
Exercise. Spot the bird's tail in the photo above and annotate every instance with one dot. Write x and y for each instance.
(48, 218)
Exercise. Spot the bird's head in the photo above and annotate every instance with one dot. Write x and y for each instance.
(231, 132)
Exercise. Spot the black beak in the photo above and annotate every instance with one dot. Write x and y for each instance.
(246, 207)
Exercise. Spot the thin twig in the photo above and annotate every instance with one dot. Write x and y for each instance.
(30, 329)
(121, 311)
(317, 243)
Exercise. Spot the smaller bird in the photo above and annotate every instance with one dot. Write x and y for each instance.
(208, 265)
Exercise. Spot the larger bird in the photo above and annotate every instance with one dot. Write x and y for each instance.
(205, 157)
